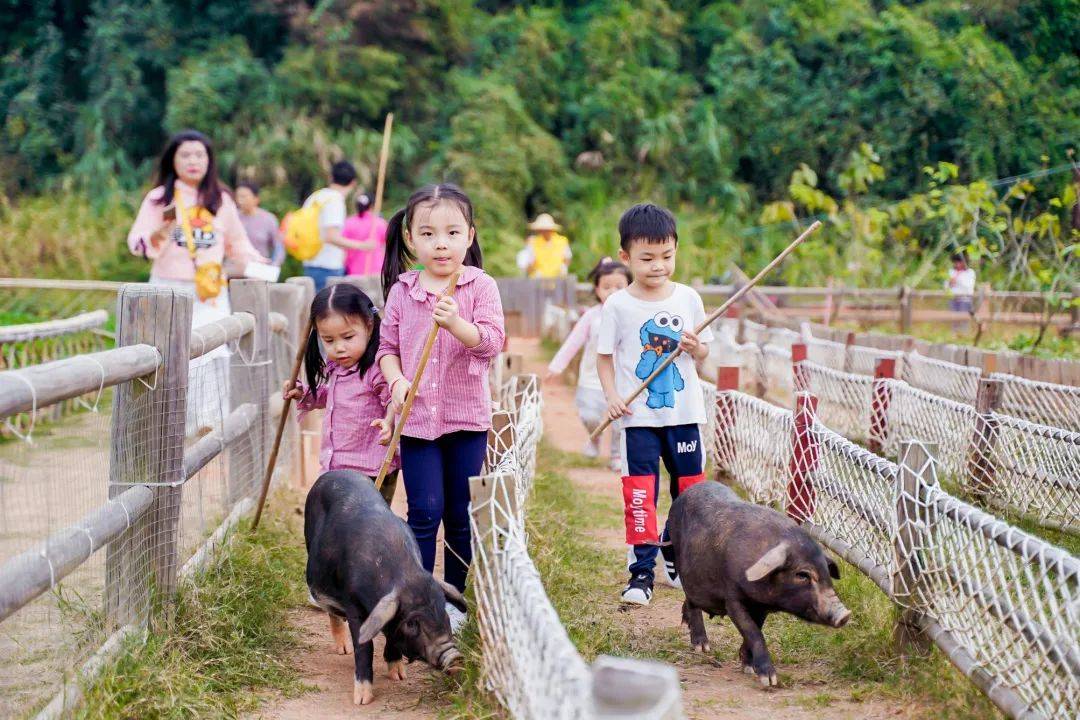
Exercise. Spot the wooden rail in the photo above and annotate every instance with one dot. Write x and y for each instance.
(52, 328)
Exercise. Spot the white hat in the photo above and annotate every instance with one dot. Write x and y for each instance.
(544, 221)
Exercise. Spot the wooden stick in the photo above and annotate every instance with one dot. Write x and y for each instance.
(301, 346)
(413, 388)
(712, 316)
(384, 156)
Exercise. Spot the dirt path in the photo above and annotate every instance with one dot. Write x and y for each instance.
(711, 689)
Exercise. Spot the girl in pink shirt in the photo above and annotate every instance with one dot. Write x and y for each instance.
(347, 383)
(445, 437)
(608, 277)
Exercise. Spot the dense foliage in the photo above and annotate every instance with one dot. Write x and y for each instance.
(575, 107)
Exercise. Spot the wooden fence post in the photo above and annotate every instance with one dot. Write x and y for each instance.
(917, 472)
(309, 426)
(884, 371)
(147, 447)
(906, 307)
(500, 438)
(287, 299)
(981, 455)
(849, 342)
(801, 495)
(727, 380)
(249, 374)
(799, 380)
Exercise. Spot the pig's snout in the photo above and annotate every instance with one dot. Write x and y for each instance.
(833, 612)
(451, 661)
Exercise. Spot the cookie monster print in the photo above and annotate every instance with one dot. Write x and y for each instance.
(659, 337)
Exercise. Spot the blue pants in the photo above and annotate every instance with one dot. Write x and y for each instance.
(321, 275)
(679, 446)
(437, 476)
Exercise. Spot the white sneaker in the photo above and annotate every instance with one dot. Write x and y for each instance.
(671, 575)
(638, 591)
(591, 449)
(457, 618)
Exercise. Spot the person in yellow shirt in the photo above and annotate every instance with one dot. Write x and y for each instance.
(546, 253)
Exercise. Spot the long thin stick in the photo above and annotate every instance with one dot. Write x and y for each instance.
(712, 316)
(384, 156)
(413, 388)
(301, 345)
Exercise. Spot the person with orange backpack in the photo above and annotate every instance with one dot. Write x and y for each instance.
(313, 233)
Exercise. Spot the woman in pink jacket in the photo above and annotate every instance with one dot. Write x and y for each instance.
(187, 226)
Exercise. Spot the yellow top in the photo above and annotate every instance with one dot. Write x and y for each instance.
(549, 255)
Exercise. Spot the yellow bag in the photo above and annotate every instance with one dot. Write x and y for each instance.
(209, 280)
(301, 229)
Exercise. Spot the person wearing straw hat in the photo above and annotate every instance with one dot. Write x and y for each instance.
(546, 253)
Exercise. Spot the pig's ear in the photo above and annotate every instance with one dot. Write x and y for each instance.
(381, 614)
(834, 569)
(767, 563)
(453, 595)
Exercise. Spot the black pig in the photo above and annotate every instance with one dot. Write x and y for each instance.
(364, 569)
(746, 561)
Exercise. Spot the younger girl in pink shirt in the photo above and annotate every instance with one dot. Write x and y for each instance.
(445, 437)
(347, 383)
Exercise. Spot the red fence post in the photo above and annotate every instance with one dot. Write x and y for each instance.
(799, 383)
(849, 342)
(884, 370)
(801, 494)
(727, 379)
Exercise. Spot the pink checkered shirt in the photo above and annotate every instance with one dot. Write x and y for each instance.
(453, 393)
(352, 401)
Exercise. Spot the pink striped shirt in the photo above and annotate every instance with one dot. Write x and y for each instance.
(352, 401)
(585, 334)
(453, 394)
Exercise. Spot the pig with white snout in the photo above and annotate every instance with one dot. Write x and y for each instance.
(746, 561)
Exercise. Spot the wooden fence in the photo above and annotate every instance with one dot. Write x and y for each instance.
(99, 539)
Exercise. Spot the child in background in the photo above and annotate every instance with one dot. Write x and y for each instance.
(444, 439)
(348, 383)
(368, 230)
(639, 328)
(607, 277)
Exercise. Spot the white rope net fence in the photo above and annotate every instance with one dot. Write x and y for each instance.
(1040, 402)
(529, 662)
(1002, 604)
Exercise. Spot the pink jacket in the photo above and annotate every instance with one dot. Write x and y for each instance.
(216, 236)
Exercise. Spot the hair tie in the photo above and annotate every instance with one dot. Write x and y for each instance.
(606, 259)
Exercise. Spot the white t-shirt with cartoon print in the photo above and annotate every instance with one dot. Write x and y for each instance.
(641, 334)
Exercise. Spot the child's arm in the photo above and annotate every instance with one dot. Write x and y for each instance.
(306, 401)
(605, 368)
(574, 342)
(485, 335)
(385, 425)
(692, 345)
(389, 355)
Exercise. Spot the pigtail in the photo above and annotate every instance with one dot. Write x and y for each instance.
(314, 364)
(473, 256)
(398, 257)
(372, 317)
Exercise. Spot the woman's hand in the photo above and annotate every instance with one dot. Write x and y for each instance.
(446, 312)
(292, 393)
(162, 234)
(386, 430)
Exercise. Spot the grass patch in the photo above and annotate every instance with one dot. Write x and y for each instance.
(859, 661)
(229, 640)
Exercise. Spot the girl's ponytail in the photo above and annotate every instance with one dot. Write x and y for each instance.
(399, 257)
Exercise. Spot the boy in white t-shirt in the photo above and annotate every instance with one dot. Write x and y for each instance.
(639, 328)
